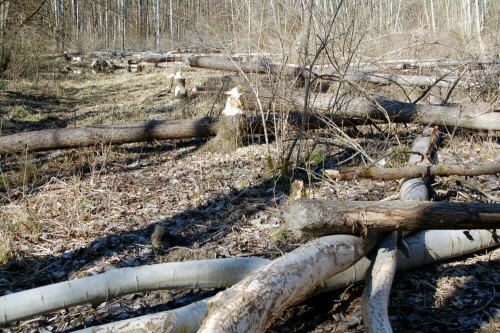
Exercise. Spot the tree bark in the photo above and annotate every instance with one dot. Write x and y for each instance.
(413, 80)
(262, 67)
(481, 116)
(413, 171)
(378, 282)
(380, 275)
(232, 133)
(252, 304)
(217, 273)
(309, 217)
(426, 247)
(356, 112)
(66, 138)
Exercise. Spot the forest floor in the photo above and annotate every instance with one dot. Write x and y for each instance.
(76, 213)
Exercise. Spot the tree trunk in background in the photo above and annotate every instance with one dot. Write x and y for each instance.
(305, 33)
(124, 12)
(157, 34)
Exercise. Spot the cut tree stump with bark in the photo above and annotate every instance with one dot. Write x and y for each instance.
(310, 217)
(233, 129)
(413, 171)
(232, 133)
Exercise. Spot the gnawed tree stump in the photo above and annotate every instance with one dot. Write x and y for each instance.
(232, 132)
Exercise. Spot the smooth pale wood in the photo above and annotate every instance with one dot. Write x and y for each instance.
(425, 247)
(216, 273)
(414, 171)
(380, 275)
(310, 217)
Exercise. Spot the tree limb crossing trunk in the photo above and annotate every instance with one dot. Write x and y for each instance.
(309, 217)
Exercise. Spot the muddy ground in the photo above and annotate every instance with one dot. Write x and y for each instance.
(76, 213)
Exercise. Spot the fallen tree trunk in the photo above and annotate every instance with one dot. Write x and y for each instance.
(431, 63)
(354, 112)
(252, 304)
(361, 111)
(380, 274)
(65, 138)
(481, 116)
(414, 80)
(378, 282)
(425, 247)
(217, 273)
(261, 67)
(413, 171)
(310, 217)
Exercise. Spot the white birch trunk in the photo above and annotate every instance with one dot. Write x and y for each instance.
(381, 273)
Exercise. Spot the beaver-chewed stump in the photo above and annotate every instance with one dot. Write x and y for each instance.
(232, 133)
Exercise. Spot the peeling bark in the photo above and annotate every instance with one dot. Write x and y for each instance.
(252, 304)
(378, 284)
